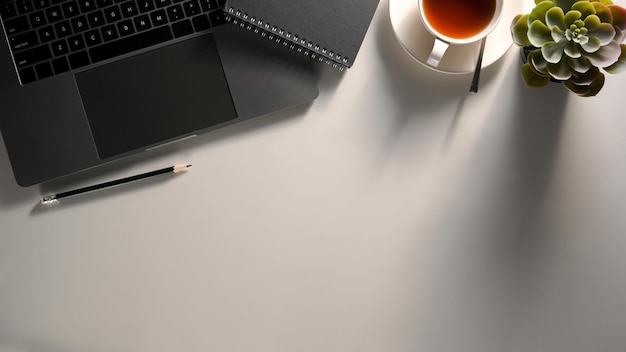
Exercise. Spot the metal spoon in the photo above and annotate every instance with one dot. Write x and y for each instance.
(479, 62)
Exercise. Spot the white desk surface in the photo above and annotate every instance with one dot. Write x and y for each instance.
(395, 213)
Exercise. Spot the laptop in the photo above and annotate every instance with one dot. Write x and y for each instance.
(86, 82)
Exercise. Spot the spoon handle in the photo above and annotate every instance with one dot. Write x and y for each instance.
(479, 62)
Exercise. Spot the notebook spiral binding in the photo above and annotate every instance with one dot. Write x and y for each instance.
(287, 39)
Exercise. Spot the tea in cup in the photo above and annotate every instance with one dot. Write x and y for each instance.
(458, 22)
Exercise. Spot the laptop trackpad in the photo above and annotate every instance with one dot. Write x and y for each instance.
(156, 96)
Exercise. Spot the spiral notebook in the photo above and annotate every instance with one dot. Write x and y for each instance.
(326, 30)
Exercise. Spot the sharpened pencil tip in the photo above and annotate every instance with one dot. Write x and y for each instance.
(180, 167)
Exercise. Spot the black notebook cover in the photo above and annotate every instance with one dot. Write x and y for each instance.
(330, 30)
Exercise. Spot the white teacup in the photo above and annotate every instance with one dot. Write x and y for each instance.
(458, 22)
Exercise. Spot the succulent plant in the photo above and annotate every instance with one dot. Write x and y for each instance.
(572, 41)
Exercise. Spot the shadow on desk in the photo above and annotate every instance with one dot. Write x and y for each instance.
(493, 243)
(430, 99)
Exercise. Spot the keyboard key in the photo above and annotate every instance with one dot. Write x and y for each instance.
(208, 5)
(131, 43)
(146, 5)
(63, 29)
(76, 42)
(175, 13)
(217, 18)
(32, 56)
(192, 8)
(24, 40)
(24, 6)
(7, 10)
(86, 5)
(37, 19)
(109, 32)
(70, 9)
(95, 19)
(60, 47)
(142, 23)
(60, 65)
(79, 59)
(41, 4)
(93, 37)
(129, 9)
(46, 34)
(27, 75)
(79, 24)
(125, 28)
(43, 70)
(112, 14)
(158, 18)
(182, 28)
(201, 22)
(163, 3)
(54, 14)
(16, 25)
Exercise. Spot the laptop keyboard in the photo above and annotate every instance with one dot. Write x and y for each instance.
(49, 37)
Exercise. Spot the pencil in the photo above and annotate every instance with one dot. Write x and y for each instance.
(53, 198)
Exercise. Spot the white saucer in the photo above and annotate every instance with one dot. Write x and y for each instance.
(418, 42)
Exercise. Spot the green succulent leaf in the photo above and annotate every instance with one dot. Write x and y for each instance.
(539, 33)
(620, 35)
(588, 87)
(571, 50)
(579, 65)
(539, 12)
(557, 34)
(605, 56)
(560, 70)
(605, 32)
(553, 51)
(619, 16)
(571, 16)
(565, 4)
(585, 78)
(580, 90)
(620, 65)
(591, 22)
(532, 78)
(584, 91)
(596, 86)
(602, 11)
(555, 17)
(519, 30)
(591, 46)
(538, 62)
(585, 7)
